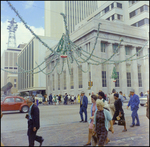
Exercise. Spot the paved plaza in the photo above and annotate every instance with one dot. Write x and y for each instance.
(59, 126)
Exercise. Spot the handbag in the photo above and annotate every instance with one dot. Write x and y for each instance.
(121, 122)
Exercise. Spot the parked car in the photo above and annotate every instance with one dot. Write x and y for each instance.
(40, 98)
(143, 100)
(11, 103)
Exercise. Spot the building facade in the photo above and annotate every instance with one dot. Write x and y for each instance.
(75, 12)
(131, 74)
(32, 53)
(133, 13)
(9, 60)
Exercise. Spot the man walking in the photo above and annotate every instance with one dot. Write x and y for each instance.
(66, 99)
(134, 103)
(50, 99)
(33, 123)
(83, 106)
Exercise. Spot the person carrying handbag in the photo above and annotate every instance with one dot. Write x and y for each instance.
(119, 113)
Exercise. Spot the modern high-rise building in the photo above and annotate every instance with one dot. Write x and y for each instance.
(133, 13)
(75, 11)
(9, 60)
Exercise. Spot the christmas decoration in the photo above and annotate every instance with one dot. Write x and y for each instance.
(114, 75)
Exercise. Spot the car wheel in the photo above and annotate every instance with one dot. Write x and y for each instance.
(142, 104)
(24, 109)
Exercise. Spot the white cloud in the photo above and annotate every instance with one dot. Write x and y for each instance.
(23, 35)
(28, 4)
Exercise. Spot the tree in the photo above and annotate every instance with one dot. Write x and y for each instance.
(114, 74)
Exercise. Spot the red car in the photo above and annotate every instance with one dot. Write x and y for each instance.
(11, 103)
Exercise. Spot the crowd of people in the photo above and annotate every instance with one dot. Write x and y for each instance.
(102, 113)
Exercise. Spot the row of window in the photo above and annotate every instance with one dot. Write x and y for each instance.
(141, 22)
(104, 79)
(11, 67)
(132, 2)
(139, 10)
(108, 8)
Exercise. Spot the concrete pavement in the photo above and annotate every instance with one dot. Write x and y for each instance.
(60, 127)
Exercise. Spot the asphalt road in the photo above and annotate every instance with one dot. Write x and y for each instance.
(59, 125)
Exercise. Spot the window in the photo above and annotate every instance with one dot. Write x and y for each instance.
(139, 76)
(58, 81)
(112, 5)
(117, 81)
(119, 17)
(15, 85)
(80, 76)
(71, 79)
(103, 46)
(128, 79)
(53, 82)
(10, 67)
(64, 80)
(15, 67)
(9, 100)
(106, 9)
(18, 100)
(119, 5)
(141, 22)
(89, 72)
(113, 17)
(104, 79)
(137, 50)
(104, 82)
(6, 67)
(108, 18)
(128, 68)
(132, 2)
(15, 80)
(127, 49)
(115, 47)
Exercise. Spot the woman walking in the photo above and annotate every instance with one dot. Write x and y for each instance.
(100, 124)
(118, 111)
(93, 109)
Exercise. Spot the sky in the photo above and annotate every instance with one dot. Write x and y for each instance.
(32, 13)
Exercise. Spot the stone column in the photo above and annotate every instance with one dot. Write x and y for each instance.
(134, 72)
(122, 70)
(145, 71)
(110, 83)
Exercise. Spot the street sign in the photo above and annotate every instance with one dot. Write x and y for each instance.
(90, 83)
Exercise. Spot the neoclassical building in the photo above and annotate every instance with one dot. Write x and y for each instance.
(131, 74)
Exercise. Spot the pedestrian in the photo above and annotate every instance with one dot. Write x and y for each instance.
(118, 111)
(111, 102)
(134, 103)
(45, 97)
(72, 99)
(89, 98)
(33, 123)
(37, 101)
(78, 98)
(141, 94)
(93, 109)
(101, 96)
(54, 99)
(83, 106)
(147, 105)
(121, 97)
(75, 99)
(100, 124)
(65, 99)
(124, 96)
(33, 98)
(59, 99)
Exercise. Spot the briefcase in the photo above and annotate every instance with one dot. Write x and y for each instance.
(121, 122)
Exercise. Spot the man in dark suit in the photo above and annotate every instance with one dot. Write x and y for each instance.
(83, 106)
(66, 99)
(50, 99)
(33, 123)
